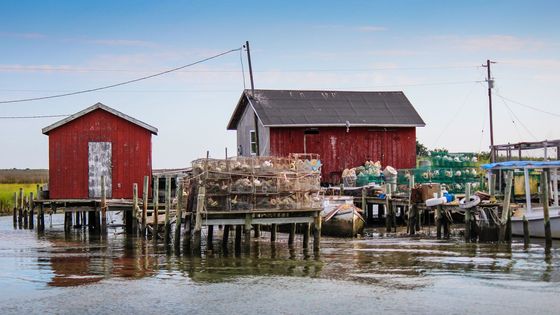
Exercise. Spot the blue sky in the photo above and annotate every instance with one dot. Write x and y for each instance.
(431, 50)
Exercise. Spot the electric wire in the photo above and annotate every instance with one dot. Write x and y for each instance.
(85, 69)
(520, 122)
(32, 117)
(457, 111)
(242, 68)
(527, 106)
(121, 83)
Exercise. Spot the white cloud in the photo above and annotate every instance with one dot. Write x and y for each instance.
(371, 28)
(491, 42)
(120, 42)
(23, 35)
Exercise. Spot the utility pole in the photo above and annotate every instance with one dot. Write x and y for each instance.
(490, 81)
(250, 67)
(258, 151)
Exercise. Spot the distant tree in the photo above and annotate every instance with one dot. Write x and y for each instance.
(421, 150)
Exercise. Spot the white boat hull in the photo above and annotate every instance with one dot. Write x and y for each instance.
(536, 224)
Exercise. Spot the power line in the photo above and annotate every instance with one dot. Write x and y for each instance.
(520, 122)
(32, 117)
(235, 90)
(528, 106)
(85, 69)
(122, 83)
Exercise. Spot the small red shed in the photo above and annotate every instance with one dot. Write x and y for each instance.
(96, 141)
(345, 127)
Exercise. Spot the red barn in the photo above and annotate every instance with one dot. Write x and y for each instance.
(97, 141)
(345, 128)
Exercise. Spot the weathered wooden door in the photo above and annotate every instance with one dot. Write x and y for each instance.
(99, 161)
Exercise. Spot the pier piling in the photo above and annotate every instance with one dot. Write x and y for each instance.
(155, 212)
(145, 204)
(178, 214)
(134, 216)
(166, 226)
(292, 235)
(15, 209)
(547, 230)
(31, 207)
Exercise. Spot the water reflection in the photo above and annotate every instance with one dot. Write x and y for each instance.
(78, 258)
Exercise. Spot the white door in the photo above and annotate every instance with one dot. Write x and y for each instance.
(99, 160)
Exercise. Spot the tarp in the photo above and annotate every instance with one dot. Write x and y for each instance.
(521, 164)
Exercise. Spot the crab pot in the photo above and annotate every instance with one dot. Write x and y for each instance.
(310, 182)
(242, 185)
(309, 200)
(241, 202)
(217, 203)
(241, 165)
(217, 185)
(266, 165)
(265, 185)
(287, 182)
(286, 202)
(265, 202)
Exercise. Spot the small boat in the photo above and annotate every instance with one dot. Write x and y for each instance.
(534, 215)
(341, 217)
(536, 222)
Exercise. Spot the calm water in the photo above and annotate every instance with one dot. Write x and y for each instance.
(77, 274)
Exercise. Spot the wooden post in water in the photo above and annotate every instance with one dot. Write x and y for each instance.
(547, 231)
(446, 223)
(178, 213)
(438, 219)
(41, 220)
(364, 204)
(238, 239)
(31, 214)
(210, 237)
(145, 204)
(247, 232)
(292, 235)
(388, 208)
(103, 206)
(412, 215)
(155, 213)
(225, 236)
(526, 235)
(25, 212)
(306, 234)
(198, 218)
(167, 227)
(467, 214)
(20, 208)
(15, 209)
(134, 223)
(317, 232)
(506, 206)
(273, 231)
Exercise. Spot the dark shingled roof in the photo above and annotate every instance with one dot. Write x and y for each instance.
(282, 108)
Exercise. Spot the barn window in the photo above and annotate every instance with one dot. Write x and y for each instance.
(253, 137)
(311, 131)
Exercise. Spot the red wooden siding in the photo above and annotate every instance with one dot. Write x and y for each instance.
(340, 149)
(68, 155)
